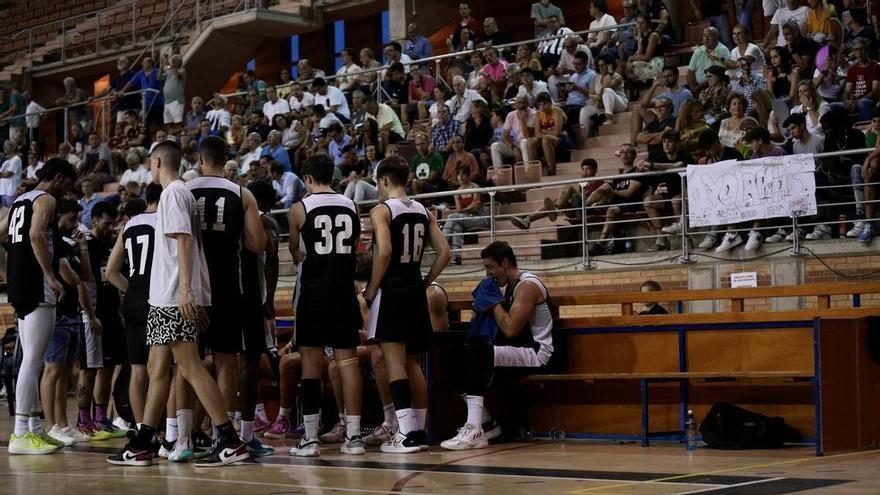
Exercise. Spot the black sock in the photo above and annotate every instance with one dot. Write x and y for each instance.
(227, 433)
(144, 438)
(311, 395)
(120, 395)
(401, 394)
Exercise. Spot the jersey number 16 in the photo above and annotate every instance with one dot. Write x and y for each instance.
(413, 243)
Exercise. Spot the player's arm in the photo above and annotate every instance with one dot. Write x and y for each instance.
(85, 303)
(254, 234)
(511, 323)
(437, 308)
(438, 240)
(114, 266)
(44, 211)
(296, 217)
(4, 227)
(271, 228)
(186, 301)
(67, 272)
(380, 217)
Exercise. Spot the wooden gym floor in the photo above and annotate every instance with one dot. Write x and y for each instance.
(538, 467)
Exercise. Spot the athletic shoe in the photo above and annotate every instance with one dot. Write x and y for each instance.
(819, 233)
(225, 454)
(661, 244)
(856, 231)
(491, 429)
(182, 452)
(418, 437)
(791, 235)
(400, 444)
(710, 241)
(78, 436)
(114, 431)
(673, 228)
(165, 449)
(130, 456)
(51, 441)
(200, 441)
(552, 212)
(61, 435)
(380, 435)
(867, 233)
(754, 241)
(259, 425)
(522, 223)
(730, 241)
(95, 432)
(778, 236)
(353, 446)
(307, 447)
(468, 437)
(602, 247)
(335, 435)
(29, 444)
(256, 448)
(279, 429)
(299, 431)
(456, 260)
(121, 424)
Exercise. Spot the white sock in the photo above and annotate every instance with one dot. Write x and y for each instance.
(215, 433)
(390, 417)
(475, 410)
(184, 424)
(170, 429)
(35, 424)
(247, 431)
(139, 426)
(311, 425)
(22, 425)
(406, 420)
(421, 416)
(260, 412)
(352, 426)
(284, 412)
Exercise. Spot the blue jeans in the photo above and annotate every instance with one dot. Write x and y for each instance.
(744, 12)
(863, 107)
(855, 176)
(63, 343)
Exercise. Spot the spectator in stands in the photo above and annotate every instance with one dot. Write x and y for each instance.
(415, 45)
(859, 27)
(396, 88)
(344, 82)
(541, 13)
(477, 130)
(252, 82)
(88, 200)
(714, 96)
(173, 77)
(551, 45)
(656, 112)
(459, 157)
(716, 14)
(578, 90)
(443, 130)
(620, 196)
(652, 308)
(601, 19)
(622, 43)
(118, 81)
(292, 133)
(195, 116)
(149, 81)
(830, 79)
(793, 11)
(547, 134)
(782, 78)
(254, 101)
(606, 97)
(862, 88)
(74, 96)
(288, 187)
(16, 109)
(332, 99)
(531, 88)
(691, 124)
(96, 149)
(275, 150)
(136, 171)
(236, 133)
(466, 22)
(10, 173)
(250, 151)
(299, 100)
(135, 131)
(420, 93)
(744, 48)
(494, 37)
(76, 139)
(665, 196)
(338, 140)
(362, 187)
(394, 53)
(647, 62)
(518, 126)
(274, 105)
(218, 115)
(368, 62)
(323, 118)
(747, 81)
(283, 86)
(730, 131)
(803, 49)
(231, 172)
(658, 12)
(493, 76)
(710, 144)
(307, 72)
(710, 53)
(468, 214)
(568, 202)
(870, 175)
(426, 168)
(390, 129)
(819, 17)
(813, 106)
(257, 123)
(34, 113)
(758, 140)
(565, 70)
(461, 101)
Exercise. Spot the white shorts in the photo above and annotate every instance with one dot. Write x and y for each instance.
(92, 347)
(517, 357)
(173, 112)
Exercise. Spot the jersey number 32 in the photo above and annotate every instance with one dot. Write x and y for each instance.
(329, 243)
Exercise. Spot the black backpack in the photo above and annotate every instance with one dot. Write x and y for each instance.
(731, 427)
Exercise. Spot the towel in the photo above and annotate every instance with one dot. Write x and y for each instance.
(486, 296)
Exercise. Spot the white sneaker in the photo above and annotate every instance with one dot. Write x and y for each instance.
(777, 236)
(710, 241)
(183, 450)
(790, 237)
(307, 447)
(469, 437)
(380, 435)
(62, 436)
(165, 448)
(78, 436)
(121, 424)
(755, 240)
(856, 231)
(673, 228)
(730, 241)
(399, 445)
(819, 233)
(353, 446)
(491, 429)
(335, 435)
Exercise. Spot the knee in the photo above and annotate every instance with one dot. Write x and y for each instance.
(377, 360)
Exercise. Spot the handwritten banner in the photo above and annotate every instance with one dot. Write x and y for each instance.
(731, 192)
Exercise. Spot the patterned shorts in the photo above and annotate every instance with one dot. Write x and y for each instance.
(166, 325)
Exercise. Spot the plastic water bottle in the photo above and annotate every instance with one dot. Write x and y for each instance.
(691, 431)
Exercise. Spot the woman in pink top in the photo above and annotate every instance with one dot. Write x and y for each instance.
(494, 75)
(421, 89)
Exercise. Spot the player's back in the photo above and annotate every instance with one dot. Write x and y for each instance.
(221, 217)
(27, 287)
(409, 227)
(138, 239)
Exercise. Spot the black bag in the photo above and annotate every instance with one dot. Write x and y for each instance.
(731, 427)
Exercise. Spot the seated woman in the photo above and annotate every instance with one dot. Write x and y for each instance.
(690, 124)
(362, 186)
(606, 95)
(647, 63)
(812, 105)
(527, 58)
(549, 122)
(730, 131)
(477, 129)
(714, 97)
(468, 214)
(782, 79)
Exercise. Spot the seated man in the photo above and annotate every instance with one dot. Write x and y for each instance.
(568, 202)
(710, 53)
(521, 343)
(623, 195)
(664, 87)
(517, 129)
(652, 308)
(666, 189)
(426, 168)
(390, 129)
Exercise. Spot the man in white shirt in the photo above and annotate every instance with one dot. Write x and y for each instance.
(530, 87)
(394, 53)
(346, 83)
(390, 129)
(253, 151)
(34, 114)
(288, 187)
(460, 103)
(299, 100)
(601, 19)
(791, 12)
(218, 115)
(179, 293)
(136, 172)
(10, 173)
(274, 105)
(332, 99)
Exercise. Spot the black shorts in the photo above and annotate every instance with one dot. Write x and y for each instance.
(254, 329)
(337, 328)
(136, 342)
(400, 314)
(113, 341)
(224, 328)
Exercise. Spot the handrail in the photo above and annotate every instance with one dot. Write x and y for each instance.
(449, 55)
(88, 101)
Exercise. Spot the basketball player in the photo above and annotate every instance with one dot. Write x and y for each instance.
(324, 229)
(524, 341)
(229, 215)
(401, 325)
(33, 291)
(135, 244)
(179, 291)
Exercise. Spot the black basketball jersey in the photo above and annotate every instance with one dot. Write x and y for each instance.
(409, 227)
(107, 296)
(66, 248)
(221, 214)
(253, 276)
(138, 238)
(26, 285)
(328, 238)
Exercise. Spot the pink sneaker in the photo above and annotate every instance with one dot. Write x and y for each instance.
(335, 435)
(279, 429)
(259, 425)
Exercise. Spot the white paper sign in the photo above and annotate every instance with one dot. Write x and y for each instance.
(743, 279)
(730, 192)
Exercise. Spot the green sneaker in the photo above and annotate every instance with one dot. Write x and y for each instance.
(109, 427)
(29, 444)
(48, 439)
(94, 431)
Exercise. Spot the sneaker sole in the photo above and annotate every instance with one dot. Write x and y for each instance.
(276, 436)
(227, 462)
(400, 450)
(187, 455)
(131, 463)
(355, 451)
(479, 445)
(493, 433)
(46, 451)
(299, 453)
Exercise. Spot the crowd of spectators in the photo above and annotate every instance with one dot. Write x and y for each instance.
(798, 90)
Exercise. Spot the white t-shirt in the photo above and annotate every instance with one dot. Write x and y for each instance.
(177, 214)
(385, 116)
(602, 36)
(461, 105)
(752, 51)
(784, 15)
(219, 118)
(8, 185)
(307, 100)
(334, 97)
(32, 170)
(140, 175)
(247, 159)
(271, 109)
(342, 82)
